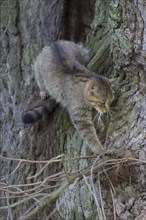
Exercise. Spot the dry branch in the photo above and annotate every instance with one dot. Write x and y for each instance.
(65, 179)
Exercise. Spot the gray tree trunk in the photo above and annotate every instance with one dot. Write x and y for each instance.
(117, 190)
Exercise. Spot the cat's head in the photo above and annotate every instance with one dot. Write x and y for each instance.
(99, 93)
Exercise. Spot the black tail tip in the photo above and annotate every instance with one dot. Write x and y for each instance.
(28, 119)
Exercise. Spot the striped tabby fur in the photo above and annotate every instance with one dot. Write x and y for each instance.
(60, 72)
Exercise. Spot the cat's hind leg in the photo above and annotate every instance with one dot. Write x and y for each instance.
(43, 92)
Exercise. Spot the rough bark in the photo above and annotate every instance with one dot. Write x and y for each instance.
(118, 36)
(27, 26)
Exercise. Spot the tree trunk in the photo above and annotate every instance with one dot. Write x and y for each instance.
(116, 190)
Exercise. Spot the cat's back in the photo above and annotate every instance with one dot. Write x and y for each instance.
(54, 68)
(71, 51)
(43, 60)
(61, 55)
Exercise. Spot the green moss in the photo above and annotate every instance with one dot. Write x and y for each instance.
(15, 83)
(39, 43)
(28, 54)
(102, 50)
(100, 20)
(13, 57)
(8, 10)
(115, 14)
(109, 24)
(124, 43)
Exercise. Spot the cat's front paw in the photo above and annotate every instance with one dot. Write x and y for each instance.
(44, 95)
(98, 149)
(101, 152)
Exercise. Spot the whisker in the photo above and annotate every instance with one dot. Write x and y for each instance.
(99, 114)
(95, 116)
(111, 111)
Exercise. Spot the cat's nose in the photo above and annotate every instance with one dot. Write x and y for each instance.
(104, 110)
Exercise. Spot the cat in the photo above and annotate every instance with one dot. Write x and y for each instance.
(60, 72)
(37, 111)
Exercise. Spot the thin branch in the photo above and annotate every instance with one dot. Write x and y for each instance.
(41, 170)
(73, 158)
(99, 210)
(19, 185)
(9, 215)
(101, 199)
(17, 167)
(31, 208)
(97, 165)
(24, 200)
(113, 200)
(25, 194)
(93, 193)
(107, 136)
(53, 196)
(46, 161)
(54, 211)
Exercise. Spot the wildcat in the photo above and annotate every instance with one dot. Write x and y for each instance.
(60, 72)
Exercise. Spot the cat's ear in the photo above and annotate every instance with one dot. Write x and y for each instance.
(90, 86)
(113, 81)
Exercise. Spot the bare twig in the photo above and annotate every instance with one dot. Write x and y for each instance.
(94, 194)
(50, 198)
(97, 166)
(19, 185)
(114, 208)
(101, 199)
(24, 200)
(31, 208)
(111, 185)
(41, 170)
(53, 212)
(99, 211)
(107, 135)
(128, 159)
(46, 161)
(9, 215)
(17, 167)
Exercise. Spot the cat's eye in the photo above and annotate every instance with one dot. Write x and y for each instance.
(93, 88)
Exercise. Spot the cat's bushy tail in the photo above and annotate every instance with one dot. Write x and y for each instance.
(37, 113)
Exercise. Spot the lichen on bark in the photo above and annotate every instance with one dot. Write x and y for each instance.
(126, 137)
